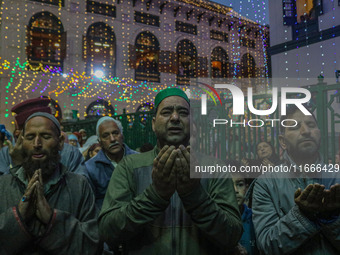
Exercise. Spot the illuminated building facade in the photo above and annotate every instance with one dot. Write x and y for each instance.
(120, 52)
(305, 39)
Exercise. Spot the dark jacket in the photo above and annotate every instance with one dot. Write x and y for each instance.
(248, 239)
(98, 171)
(72, 229)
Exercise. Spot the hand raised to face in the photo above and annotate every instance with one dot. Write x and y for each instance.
(331, 203)
(267, 162)
(163, 172)
(27, 203)
(316, 199)
(245, 162)
(15, 151)
(310, 200)
(184, 184)
(33, 203)
(43, 209)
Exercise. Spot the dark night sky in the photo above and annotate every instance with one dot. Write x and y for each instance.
(256, 10)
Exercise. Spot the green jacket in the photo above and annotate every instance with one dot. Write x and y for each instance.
(73, 228)
(206, 221)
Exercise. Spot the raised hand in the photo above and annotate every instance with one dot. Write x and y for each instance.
(43, 209)
(331, 203)
(27, 203)
(239, 250)
(163, 172)
(267, 162)
(16, 151)
(310, 200)
(184, 183)
(245, 162)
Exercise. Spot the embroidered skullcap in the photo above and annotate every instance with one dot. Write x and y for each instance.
(168, 93)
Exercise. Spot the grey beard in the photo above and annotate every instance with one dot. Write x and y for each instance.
(48, 166)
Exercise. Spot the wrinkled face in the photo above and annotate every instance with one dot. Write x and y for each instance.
(172, 122)
(41, 145)
(240, 189)
(302, 141)
(110, 138)
(83, 134)
(264, 150)
(73, 142)
(40, 138)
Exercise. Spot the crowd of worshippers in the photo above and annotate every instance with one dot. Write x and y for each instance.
(72, 194)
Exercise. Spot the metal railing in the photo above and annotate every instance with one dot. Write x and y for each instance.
(137, 127)
(237, 141)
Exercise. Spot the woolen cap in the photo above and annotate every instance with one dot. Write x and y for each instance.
(28, 107)
(46, 115)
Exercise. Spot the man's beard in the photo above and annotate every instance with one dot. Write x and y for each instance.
(47, 166)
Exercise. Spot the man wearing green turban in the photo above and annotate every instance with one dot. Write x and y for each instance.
(152, 206)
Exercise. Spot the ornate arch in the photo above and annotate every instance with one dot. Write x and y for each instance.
(46, 42)
(147, 57)
(100, 50)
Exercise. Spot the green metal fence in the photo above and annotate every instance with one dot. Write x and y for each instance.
(137, 127)
(326, 104)
(238, 141)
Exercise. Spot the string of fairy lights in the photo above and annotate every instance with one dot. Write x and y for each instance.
(72, 88)
(124, 90)
(259, 12)
(320, 57)
(75, 85)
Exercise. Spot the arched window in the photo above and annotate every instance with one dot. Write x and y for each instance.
(99, 108)
(187, 56)
(46, 42)
(147, 57)
(248, 66)
(145, 107)
(145, 118)
(100, 50)
(219, 63)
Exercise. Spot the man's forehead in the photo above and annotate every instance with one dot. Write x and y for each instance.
(40, 125)
(108, 124)
(39, 121)
(238, 178)
(174, 101)
(299, 116)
